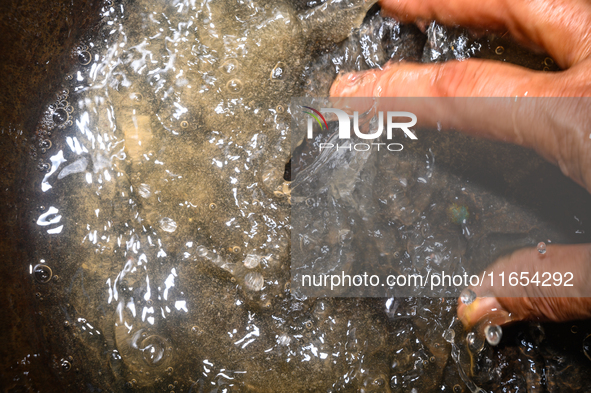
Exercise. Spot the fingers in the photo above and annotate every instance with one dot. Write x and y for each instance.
(543, 300)
(561, 27)
(471, 78)
(557, 129)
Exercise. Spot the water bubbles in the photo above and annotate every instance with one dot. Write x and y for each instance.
(493, 334)
(66, 366)
(278, 71)
(254, 281)
(499, 50)
(574, 329)
(234, 86)
(230, 66)
(467, 296)
(144, 190)
(60, 116)
(42, 273)
(548, 61)
(449, 336)
(202, 251)
(542, 247)
(379, 382)
(168, 224)
(235, 249)
(396, 382)
(279, 109)
(251, 261)
(196, 330)
(84, 57)
(184, 124)
(457, 388)
(155, 350)
(212, 206)
(45, 144)
(475, 343)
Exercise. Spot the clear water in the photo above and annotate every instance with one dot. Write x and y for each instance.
(160, 205)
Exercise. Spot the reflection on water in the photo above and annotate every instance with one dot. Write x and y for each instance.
(158, 217)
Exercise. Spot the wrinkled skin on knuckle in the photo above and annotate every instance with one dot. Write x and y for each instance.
(459, 78)
(554, 309)
(566, 136)
(552, 303)
(449, 78)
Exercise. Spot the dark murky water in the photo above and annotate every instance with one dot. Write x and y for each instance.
(156, 217)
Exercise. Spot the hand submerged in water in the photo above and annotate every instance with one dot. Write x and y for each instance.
(562, 135)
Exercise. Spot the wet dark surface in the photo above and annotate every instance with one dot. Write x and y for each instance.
(36, 40)
(68, 334)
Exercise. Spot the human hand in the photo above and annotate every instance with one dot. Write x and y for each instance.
(562, 135)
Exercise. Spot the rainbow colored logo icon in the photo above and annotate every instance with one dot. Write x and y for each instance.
(315, 115)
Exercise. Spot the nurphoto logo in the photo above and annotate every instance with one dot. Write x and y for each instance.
(344, 123)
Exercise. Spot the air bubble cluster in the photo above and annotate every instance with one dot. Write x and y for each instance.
(83, 54)
(58, 115)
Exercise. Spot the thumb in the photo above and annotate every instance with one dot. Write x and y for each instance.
(553, 286)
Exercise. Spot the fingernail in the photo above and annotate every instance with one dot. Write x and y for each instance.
(484, 307)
